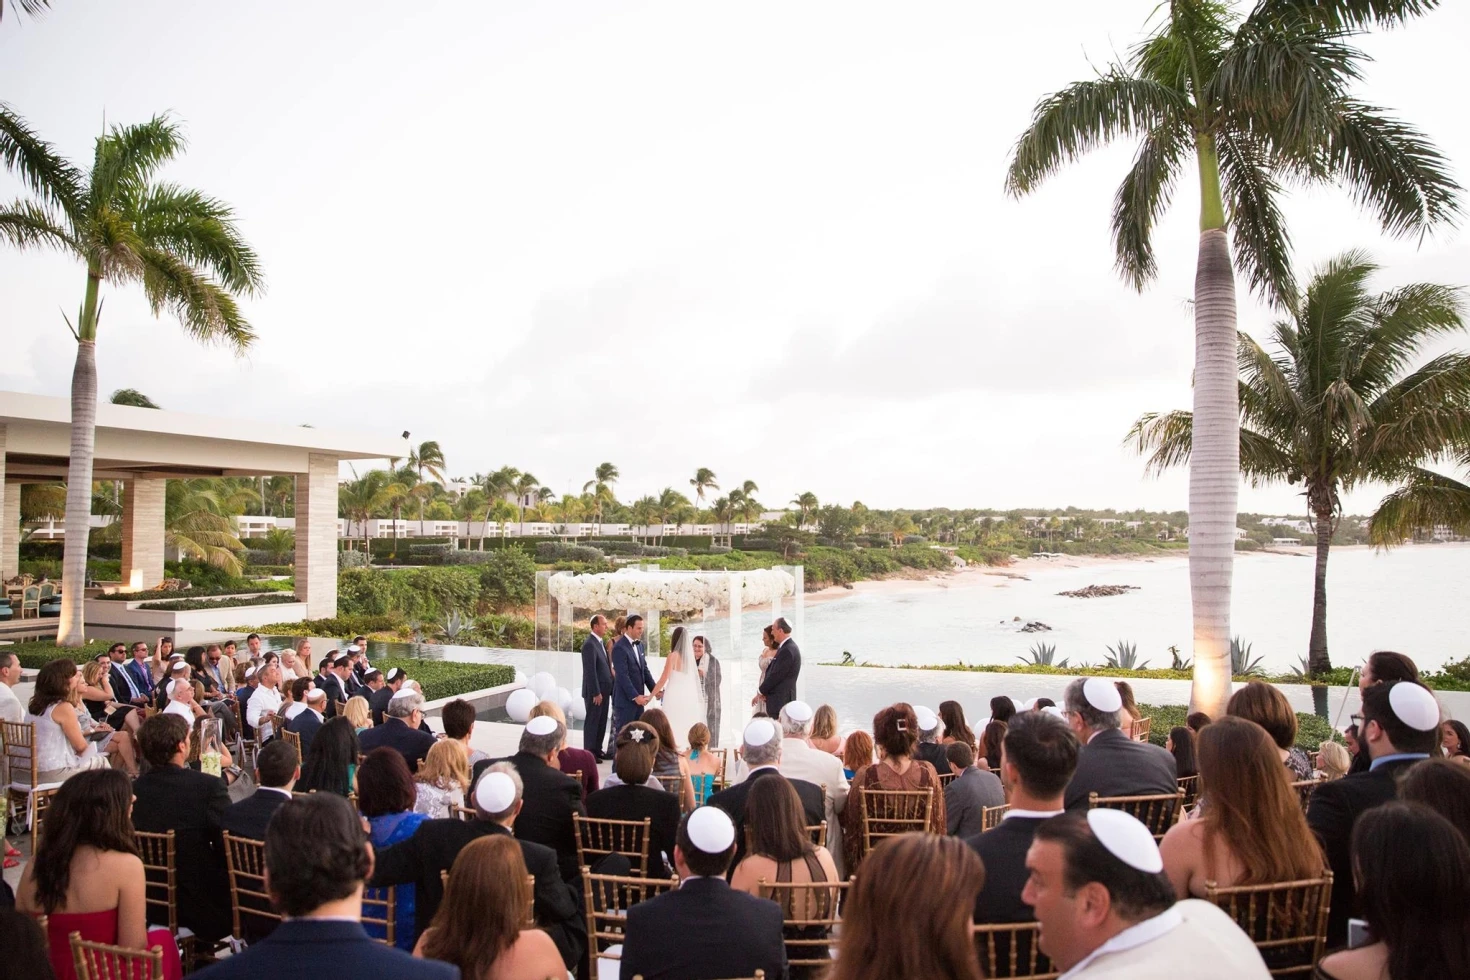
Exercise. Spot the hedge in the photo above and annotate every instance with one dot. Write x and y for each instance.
(554, 551)
(447, 678)
(1311, 731)
(240, 587)
(36, 653)
(1337, 677)
(183, 605)
(343, 627)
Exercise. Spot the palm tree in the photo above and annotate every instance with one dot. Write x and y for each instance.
(722, 511)
(1427, 500)
(526, 486)
(196, 520)
(502, 511)
(1340, 402)
(363, 497)
(1255, 99)
(601, 484)
(31, 7)
(704, 479)
(669, 501)
(124, 226)
(427, 457)
(806, 504)
(497, 486)
(278, 542)
(131, 396)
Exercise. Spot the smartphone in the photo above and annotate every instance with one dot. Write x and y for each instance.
(98, 736)
(1358, 933)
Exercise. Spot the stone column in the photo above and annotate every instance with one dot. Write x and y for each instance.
(142, 533)
(316, 537)
(9, 518)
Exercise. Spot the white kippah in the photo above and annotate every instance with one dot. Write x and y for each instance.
(174, 684)
(541, 725)
(394, 674)
(1102, 694)
(710, 829)
(249, 672)
(179, 668)
(1414, 705)
(354, 648)
(401, 693)
(495, 792)
(1126, 839)
(799, 712)
(176, 656)
(1054, 711)
(927, 719)
(758, 732)
(316, 694)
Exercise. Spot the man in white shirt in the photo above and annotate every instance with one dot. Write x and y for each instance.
(261, 710)
(10, 706)
(799, 760)
(181, 701)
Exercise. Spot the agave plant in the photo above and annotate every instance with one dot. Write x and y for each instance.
(1125, 656)
(1241, 664)
(456, 628)
(1303, 667)
(1043, 655)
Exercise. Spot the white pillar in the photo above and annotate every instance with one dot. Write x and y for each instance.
(9, 519)
(316, 537)
(142, 532)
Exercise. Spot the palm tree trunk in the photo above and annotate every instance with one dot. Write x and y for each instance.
(70, 631)
(1317, 659)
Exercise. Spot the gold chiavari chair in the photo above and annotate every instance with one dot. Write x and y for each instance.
(19, 738)
(810, 912)
(597, 839)
(380, 909)
(607, 899)
(1010, 949)
(991, 816)
(1157, 812)
(101, 961)
(530, 896)
(1304, 790)
(1189, 785)
(250, 906)
(945, 778)
(161, 893)
(890, 812)
(816, 831)
(42, 802)
(1286, 921)
(1141, 729)
(292, 738)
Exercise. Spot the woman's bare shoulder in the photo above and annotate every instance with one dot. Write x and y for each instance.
(533, 956)
(1364, 963)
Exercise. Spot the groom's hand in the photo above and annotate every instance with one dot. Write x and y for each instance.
(643, 699)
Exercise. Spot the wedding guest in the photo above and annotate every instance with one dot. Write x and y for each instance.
(481, 924)
(1266, 706)
(101, 700)
(931, 730)
(361, 716)
(927, 883)
(228, 772)
(824, 730)
(631, 799)
(704, 766)
(1382, 667)
(709, 678)
(857, 752)
(1181, 745)
(442, 781)
(1454, 739)
(952, 715)
(219, 666)
(1416, 899)
(309, 720)
(399, 728)
(618, 625)
(763, 662)
(895, 733)
(386, 797)
(801, 760)
(704, 924)
(1110, 763)
(1197, 720)
(1350, 739)
(1002, 708)
(87, 876)
(1131, 714)
(61, 749)
(316, 860)
(26, 946)
(331, 763)
(1443, 785)
(1334, 761)
(1038, 760)
(597, 686)
(140, 673)
(990, 744)
(669, 765)
(1399, 726)
(760, 747)
(549, 797)
(277, 767)
(1041, 703)
(295, 696)
(968, 794)
(265, 702)
(393, 682)
(117, 746)
(580, 764)
(10, 710)
(179, 696)
(292, 669)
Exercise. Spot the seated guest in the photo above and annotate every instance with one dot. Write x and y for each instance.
(968, 794)
(308, 721)
(443, 779)
(1399, 727)
(781, 849)
(87, 876)
(568, 759)
(895, 732)
(1110, 763)
(761, 749)
(481, 924)
(26, 946)
(857, 753)
(802, 760)
(952, 716)
(1180, 744)
(330, 765)
(1131, 715)
(704, 766)
(265, 702)
(334, 681)
(1382, 667)
(296, 692)
(704, 928)
(925, 883)
(1263, 704)
(459, 724)
(549, 798)
(669, 765)
(1334, 760)
(931, 730)
(277, 767)
(316, 857)
(61, 749)
(824, 730)
(392, 682)
(228, 772)
(1037, 762)
(1196, 720)
(630, 799)
(1454, 740)
(385, 795)
(435, 845)
(399, 729)
(192, 804)
(990, 743)
(1415, 898)
(104, 702)
(1251, 830)
(1003, 708)
(117, 746)
(1443, 785)
(358, 712)
(242, 698)
(1107, 909)
(179, 692)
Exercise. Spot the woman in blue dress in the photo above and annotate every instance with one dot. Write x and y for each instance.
(385, 795)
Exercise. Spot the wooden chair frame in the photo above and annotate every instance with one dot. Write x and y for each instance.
(161, 889)
(806, 906)
(292, 738)
(388, 918)
(1189, 786)
(902, 810)
(945, 778)
(1035, 966)
(101, 961)
(598, 838)
(605, 922)
(816, 831)
(1140, 730)
(245, 863)
(19, 743)
(1281, 916)
(991, 816)
(41, 802)
(1304, 789)
(1158, 812)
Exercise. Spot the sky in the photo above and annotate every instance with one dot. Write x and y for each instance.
(770, 239)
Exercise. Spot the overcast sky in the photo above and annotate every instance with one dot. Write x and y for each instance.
(770, 239)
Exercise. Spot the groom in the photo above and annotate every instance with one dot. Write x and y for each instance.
(630, 675)
(779, 687)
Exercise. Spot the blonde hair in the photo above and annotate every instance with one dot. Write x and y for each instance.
(824, 722)
(549, 709)
(92, 673)
(446, 764)
(358, 712)
(1335, 760)
(698, 737)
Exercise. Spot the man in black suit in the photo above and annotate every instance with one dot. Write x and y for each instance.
(597, 688)
(497, 799)
(1110, 763)
(277, 768)
(392, 683)
(1397, 728)
(969, 793)
(317, 856)
(704, 929)
(779, 686)
(308, 722)
(550, 797)
(400, 729)
(191, 804)
(1038, 757)
(632, 680)
(761, 749)
(333, 681)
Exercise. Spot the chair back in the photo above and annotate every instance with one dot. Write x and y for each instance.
(1141, 729)
(890, 812)
(20, 755)
(530, 896)
(1304, 790)
(1190, 786)
(607, 899)
(47, 591)
(40, 803)
(292, 738)
(380, 909)
(1286, 921)
(810, 913)
(991, 816)
(598, 838)
(1158, 812)
(1010, 949)
(945, 778)
(101, 961)
(818, 833)
(161, 886)
(673, 784)
(250, 905)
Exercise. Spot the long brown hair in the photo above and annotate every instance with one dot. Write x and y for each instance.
(484, 906)
(927, 882)
(1251, 807)
(776, 821)
(659, 722)
(992, 742)
(53, 684)
(91, 809)
(952, 713)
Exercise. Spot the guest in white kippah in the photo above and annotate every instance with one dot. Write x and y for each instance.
(550, 797)
(1110, 763)
(801, 760)
(309, 720)
(761, 747)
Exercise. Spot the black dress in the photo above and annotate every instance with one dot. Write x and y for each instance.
(98, 711)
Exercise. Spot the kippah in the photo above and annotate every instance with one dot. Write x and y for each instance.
(926, 718)
(541, 725)
(316, 694)
(249, 672)
(405, 692)
(799, 712)
(354, 648)
(178, 668)
(340, 660)
(758, 732)
(1054, 711)
(1414, 705)
(176, 656)
(172, 685)
(495, 792)
(394, 674)
(1127, 839)
(1102, 694)
(710, 829)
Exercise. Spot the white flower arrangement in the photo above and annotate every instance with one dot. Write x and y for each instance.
(675, 591)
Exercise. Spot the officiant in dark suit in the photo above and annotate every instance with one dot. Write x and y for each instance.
(779, 686)
(631, 674)
(597, 688)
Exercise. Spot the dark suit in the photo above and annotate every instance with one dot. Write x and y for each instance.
(1331, 813)
(932, 753)
(633, 679)
(306, 724)
(192, 805)
(1112, 764)
(433, 848)
(249, 817)
(242, 698)
(302, 949)
(378, 703)
(965, 800)
(393, 733)
(623, 802)
(779, 687)
(141, 675)
(702, 931)
(597, 680)
(732, 801)
(332, 684)
(547, 805)
(1003, 852)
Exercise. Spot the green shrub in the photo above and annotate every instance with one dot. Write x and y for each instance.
(351, 559)
(183, 605)
(555, 551)
(366, 592)
(507, 580)
(1311, 731)
(342, 627)
(447, 678)
(513, 632)
(269, 570)
(872, 561)
(235, 587)
(37, 653)
(1451, 677)
(436, 592)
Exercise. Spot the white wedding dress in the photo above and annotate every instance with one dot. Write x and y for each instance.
(683, 701)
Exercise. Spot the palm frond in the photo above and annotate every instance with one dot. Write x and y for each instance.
(1344, 14)
(1169, 438)
(32, 8)
(1428, 500)
(37, 165)
(29, 224)
(208, 312)
(1391, 168)
(128, 155)
(1258, 228)
(1285, 80)
(1142, 199)
(1401, 322)
(1421, 415)
(199, 229)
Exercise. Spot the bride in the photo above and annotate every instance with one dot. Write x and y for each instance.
(679, 689)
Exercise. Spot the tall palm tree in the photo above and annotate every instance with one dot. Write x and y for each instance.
(526, 486)
(364, 497)
(704, 479)
(502, 512)
(601, 485)
(806, 504)
(124, 226)
(427, 457)
(131, 396)
(722, 512)
(196, 520)
(497, 486)
(1343, 400)
(1255, 99)
(668, 502)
